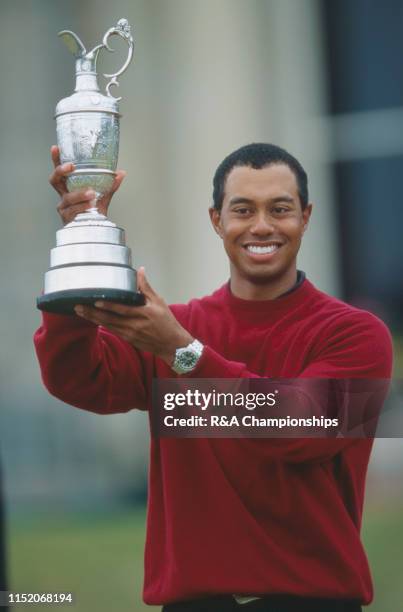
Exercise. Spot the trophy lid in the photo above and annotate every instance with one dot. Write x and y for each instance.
(87, 96)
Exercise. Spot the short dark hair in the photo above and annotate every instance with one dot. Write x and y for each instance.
(258, 155)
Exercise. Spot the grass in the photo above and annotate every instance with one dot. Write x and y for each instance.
(100, 559)
(383, 539)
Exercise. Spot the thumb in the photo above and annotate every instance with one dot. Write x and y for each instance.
(143, 284)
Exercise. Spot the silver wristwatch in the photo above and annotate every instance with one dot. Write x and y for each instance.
(186, 358)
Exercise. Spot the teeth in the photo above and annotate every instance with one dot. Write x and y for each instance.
(262, 249)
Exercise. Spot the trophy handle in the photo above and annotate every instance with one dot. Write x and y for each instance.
(121, 29)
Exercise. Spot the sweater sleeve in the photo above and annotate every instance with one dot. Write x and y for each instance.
(357, 347)
(89, 367)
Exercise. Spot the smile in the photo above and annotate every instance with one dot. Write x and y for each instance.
(262, 250)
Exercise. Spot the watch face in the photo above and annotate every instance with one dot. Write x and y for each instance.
(188, 359)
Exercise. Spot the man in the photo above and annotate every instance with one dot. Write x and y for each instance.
(252, 524)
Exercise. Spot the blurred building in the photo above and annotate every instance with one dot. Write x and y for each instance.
(364, 50)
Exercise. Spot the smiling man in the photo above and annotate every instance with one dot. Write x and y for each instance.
(242, 523)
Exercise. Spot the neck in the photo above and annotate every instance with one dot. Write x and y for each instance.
(251, 289)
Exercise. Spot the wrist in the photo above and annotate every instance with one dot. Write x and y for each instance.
(181, 341)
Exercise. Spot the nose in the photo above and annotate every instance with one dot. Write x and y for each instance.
(262, 225)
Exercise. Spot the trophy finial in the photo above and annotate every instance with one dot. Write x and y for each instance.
(86, 61)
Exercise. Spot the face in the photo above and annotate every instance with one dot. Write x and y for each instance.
(261, 223)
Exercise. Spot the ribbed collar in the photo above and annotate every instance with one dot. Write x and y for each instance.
(288, 300)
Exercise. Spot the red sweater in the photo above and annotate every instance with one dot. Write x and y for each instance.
(246, 516)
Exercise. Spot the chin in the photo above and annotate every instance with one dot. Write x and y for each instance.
(263, 277)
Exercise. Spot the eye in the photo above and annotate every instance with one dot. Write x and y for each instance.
(279, 210)
(242, 210)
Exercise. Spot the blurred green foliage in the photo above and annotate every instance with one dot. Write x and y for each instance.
(100, 559)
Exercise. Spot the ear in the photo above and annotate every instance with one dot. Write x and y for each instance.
(215, 218)
(306, 215)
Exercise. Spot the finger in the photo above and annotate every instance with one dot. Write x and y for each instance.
(76, 197)
(122, 310)
(100, 317)
(69, 214)
(61, 171)
(119, 178)
(55, 154)
(143, 284)
(103, 202)
(58, 177)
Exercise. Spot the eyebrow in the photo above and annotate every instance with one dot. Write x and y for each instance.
(241, 200)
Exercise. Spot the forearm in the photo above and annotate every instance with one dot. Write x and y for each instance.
(88, 367)
(317, 392)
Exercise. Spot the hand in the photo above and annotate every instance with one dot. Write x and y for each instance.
(76, 202)
(151, 327)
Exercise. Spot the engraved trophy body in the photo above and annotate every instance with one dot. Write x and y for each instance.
(90, 260)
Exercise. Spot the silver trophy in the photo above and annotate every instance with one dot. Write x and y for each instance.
(90, 260)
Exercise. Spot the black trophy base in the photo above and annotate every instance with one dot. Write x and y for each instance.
(63, 302)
